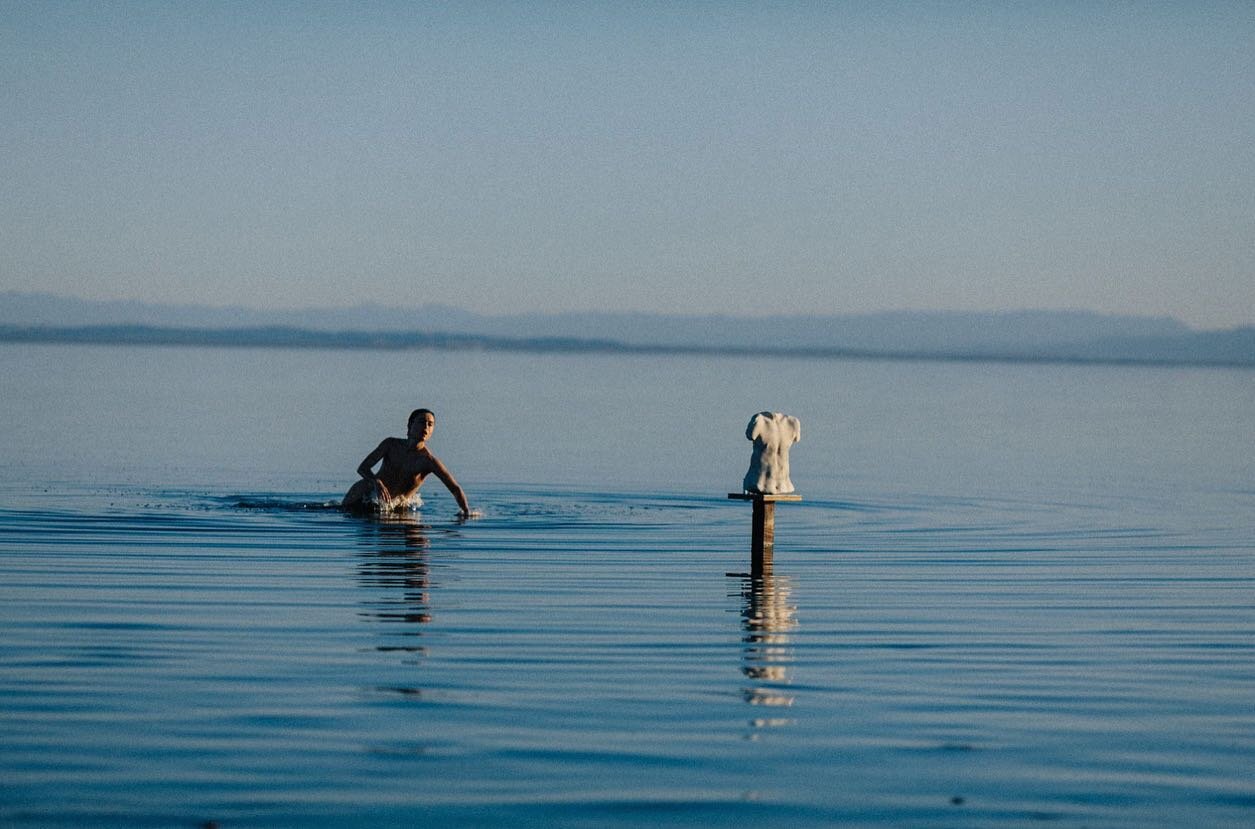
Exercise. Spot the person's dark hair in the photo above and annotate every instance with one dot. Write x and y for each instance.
(416, 413)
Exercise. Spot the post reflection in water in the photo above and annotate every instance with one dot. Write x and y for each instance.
(767, 618)
(394, 566)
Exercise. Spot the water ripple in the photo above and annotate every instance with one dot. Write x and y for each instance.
(582, 658)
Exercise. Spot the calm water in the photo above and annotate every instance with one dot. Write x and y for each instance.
(1013, 594)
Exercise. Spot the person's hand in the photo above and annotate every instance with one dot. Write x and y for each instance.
(469, 513)
(385, 497)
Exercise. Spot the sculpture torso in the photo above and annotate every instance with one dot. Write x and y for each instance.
(772, 433)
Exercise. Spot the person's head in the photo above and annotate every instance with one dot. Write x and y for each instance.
(421, 423)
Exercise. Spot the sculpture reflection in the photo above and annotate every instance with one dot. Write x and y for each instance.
(767, 619)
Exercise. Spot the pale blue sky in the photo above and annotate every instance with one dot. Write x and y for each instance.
(737, 158)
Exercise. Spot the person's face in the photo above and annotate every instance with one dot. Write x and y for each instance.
(421, 427)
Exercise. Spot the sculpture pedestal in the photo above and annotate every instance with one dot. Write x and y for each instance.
(763, 536)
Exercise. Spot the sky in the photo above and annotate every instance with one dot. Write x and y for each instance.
(713, 157)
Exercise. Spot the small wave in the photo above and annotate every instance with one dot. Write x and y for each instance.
(282, 505)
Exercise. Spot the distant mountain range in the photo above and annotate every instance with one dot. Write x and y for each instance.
(1019, 335)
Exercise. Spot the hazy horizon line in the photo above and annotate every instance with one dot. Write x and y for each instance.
(283, 336)
(675, 314)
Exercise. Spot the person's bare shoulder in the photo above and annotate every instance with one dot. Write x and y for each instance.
(432, 463)
(390, 447)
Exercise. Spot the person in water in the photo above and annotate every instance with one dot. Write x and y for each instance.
(406, 464)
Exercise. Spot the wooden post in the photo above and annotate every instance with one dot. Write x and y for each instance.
(763, 534)
(763, 527)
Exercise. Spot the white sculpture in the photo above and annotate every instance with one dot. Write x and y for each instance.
(773, 433)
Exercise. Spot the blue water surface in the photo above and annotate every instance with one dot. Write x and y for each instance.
(1012, 594)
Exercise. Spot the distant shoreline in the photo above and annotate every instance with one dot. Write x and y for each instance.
(293, 337)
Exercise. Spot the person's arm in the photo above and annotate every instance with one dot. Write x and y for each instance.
(452, 485)
(366, 470)
(366, 467)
